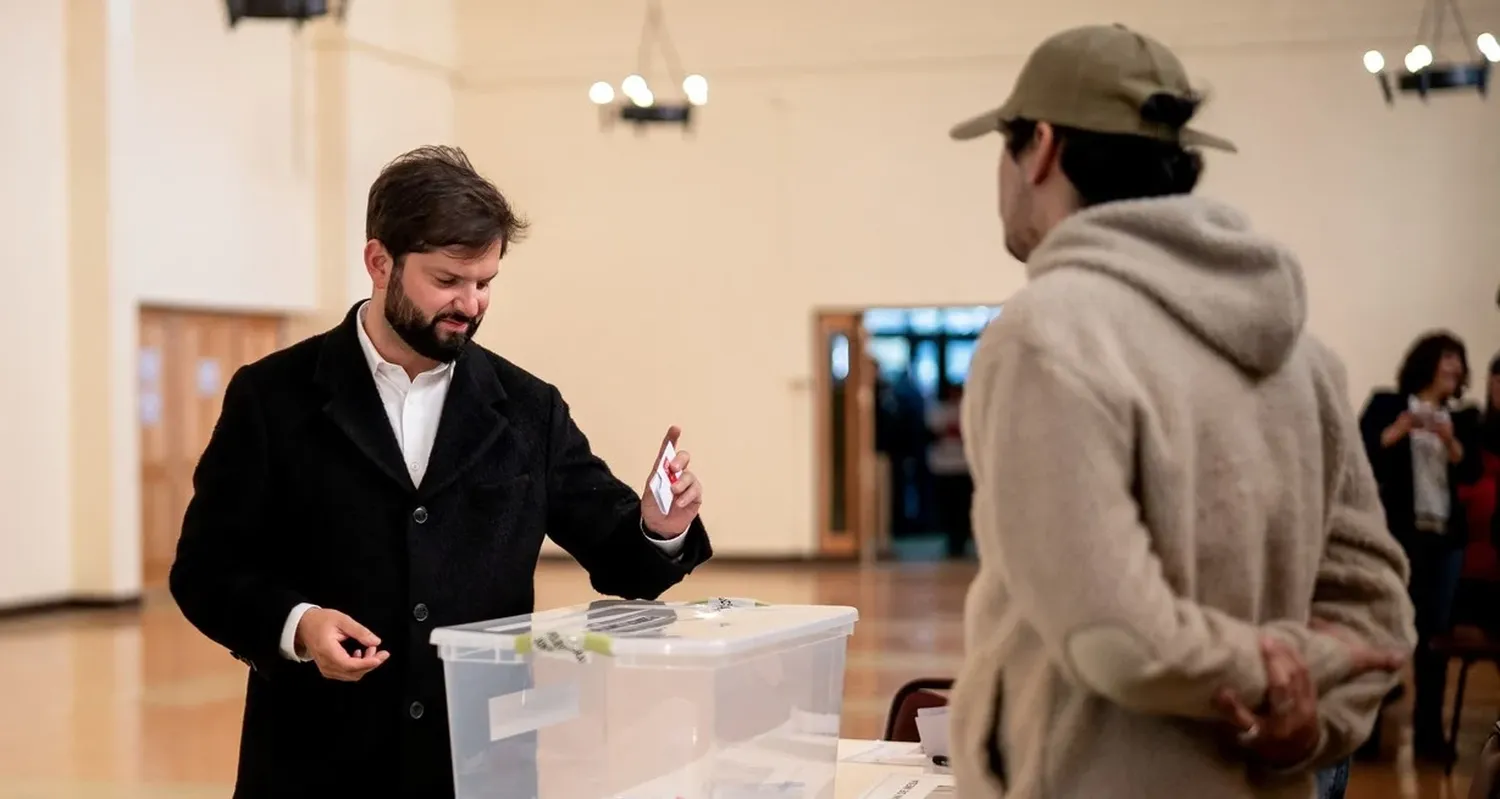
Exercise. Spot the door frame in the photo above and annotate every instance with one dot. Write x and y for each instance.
(167, 377)
(857, 538)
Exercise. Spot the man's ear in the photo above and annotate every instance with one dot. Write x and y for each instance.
(1046, 148)
(378, 263)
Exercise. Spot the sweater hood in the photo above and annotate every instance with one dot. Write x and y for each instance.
(1239, 292)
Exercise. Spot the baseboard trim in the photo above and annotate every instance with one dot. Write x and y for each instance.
(68, 605)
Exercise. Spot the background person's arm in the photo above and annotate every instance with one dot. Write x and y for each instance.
(221, 578)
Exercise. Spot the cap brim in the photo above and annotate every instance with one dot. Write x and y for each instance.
(991, 122)
(1197, 138)
(982, 125)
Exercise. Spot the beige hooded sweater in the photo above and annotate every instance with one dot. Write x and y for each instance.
(1165, 467)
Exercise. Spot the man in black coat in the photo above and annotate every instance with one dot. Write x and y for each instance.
(391, 476)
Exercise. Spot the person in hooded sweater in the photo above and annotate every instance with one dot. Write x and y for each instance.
(1187, 585)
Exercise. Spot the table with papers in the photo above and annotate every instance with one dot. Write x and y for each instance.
(888, 770)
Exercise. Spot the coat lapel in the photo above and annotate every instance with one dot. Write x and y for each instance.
(471, 420)
(354, 404)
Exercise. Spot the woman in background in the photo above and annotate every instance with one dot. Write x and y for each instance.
(1478, 600)
(1424, 446)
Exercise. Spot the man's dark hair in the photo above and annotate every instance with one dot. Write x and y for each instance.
(1420, 366)
(1105, 167)
(432, 198)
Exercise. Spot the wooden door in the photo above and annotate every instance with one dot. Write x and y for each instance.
(185, 360)
(847, 475)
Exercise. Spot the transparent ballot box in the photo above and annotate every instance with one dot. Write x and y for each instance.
(719, 699)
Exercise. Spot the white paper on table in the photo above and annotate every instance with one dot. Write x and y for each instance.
(932, 727)
(920, 786)
(891, 753)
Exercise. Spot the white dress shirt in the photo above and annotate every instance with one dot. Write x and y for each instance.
(414, 407)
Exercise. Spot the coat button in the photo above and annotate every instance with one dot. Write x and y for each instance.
(416, 710)
(419, 515)
(419, 612)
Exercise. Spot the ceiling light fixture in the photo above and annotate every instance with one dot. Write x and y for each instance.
(636, 101)
(1424, 73)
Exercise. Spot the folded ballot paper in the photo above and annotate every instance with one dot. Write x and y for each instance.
(913, 786)
(932, 727)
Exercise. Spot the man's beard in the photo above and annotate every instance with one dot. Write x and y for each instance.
(422, 334)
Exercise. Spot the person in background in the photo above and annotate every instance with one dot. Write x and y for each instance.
(1171, 498)
(953, 489)
(390, 476)
(1424, 445)
(1477, 601)
(1490, 431)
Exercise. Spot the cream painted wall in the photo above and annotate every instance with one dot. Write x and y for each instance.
(35, 545)
(165, 159)
(400, 95)
(221, 163)
(674, 278)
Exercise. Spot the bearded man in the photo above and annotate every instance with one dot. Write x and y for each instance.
(390, 476)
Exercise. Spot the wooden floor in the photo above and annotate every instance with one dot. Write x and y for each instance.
(106, 705)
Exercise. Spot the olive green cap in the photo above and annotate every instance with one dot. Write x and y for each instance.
(1095, 78)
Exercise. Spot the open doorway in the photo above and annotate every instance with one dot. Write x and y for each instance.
(893, 480)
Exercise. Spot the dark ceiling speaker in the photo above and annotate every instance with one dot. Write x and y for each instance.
(298, 11)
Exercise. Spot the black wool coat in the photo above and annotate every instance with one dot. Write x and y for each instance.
(302, 496)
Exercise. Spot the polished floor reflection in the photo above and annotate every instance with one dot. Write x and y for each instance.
(109, 705)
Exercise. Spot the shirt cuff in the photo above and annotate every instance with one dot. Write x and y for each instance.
(289, 633)
(671, 547)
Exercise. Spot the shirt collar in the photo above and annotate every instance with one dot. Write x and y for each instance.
(373, 357)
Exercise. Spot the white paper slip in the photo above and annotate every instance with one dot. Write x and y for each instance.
(662, 480)
(922, 786)
(891, 753)
(932, 728)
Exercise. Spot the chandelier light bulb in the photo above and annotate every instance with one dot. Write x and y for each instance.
(643, 98)
(634, 86)
(696, 89)
(1419, 58)
(1489, 46)
(601, 93)
(1374, 62)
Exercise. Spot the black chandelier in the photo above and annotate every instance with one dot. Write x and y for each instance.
(636, 102)
(1424, 74)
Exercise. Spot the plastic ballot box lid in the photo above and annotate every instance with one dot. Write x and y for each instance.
(633, 631)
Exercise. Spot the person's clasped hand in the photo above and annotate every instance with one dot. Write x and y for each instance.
(321, 635)
(1286, 730)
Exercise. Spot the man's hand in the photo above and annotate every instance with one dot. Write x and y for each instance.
(687, 494)
(321, 635)
(1287, 731)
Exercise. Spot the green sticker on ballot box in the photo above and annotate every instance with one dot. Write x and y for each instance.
(575, 647)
